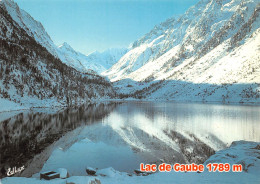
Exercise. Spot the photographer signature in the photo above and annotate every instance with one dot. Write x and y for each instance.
(14, 170)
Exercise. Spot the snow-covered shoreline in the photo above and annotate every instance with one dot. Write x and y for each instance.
(184, 101)
(7, 105)
(240, 152)
(209, 55)
(10, 106)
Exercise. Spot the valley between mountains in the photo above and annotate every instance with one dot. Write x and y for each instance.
(209, 54)
(60, 108)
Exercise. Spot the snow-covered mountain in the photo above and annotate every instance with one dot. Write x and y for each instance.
(70, 57)
(96, 61)
(106, 58)
(210, 53)
(33, 28)
(75, 59)
(31, 75)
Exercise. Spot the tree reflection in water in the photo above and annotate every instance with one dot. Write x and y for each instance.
(29, 133)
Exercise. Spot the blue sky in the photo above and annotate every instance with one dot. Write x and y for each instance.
(89, 25)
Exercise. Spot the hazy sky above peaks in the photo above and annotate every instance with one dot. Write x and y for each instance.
(89, 25)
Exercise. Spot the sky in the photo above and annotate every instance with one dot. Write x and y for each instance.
(96, 25)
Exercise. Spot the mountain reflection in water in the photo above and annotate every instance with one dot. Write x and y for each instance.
(122, 135)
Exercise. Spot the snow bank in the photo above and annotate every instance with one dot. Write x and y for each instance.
(63, 173)
(240, 152)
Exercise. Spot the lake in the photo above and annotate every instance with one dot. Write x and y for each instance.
(122, 135)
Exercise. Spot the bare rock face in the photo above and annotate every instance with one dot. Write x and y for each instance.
(91, 171)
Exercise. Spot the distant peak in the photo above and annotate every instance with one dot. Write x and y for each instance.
(65, 44)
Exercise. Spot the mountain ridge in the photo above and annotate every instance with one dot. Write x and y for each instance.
(68, 56)
(214, 42)
(33, 77)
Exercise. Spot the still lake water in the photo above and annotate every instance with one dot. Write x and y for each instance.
(122, 135)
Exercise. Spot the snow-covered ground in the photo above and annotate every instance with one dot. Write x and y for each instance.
(240, 152)
(7, 105)
(28, 102)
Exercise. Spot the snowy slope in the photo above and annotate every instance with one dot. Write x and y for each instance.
(213, 43)
(37, 31)
(30, 74)
(97, 62)
(31, 26)
(74, 59)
